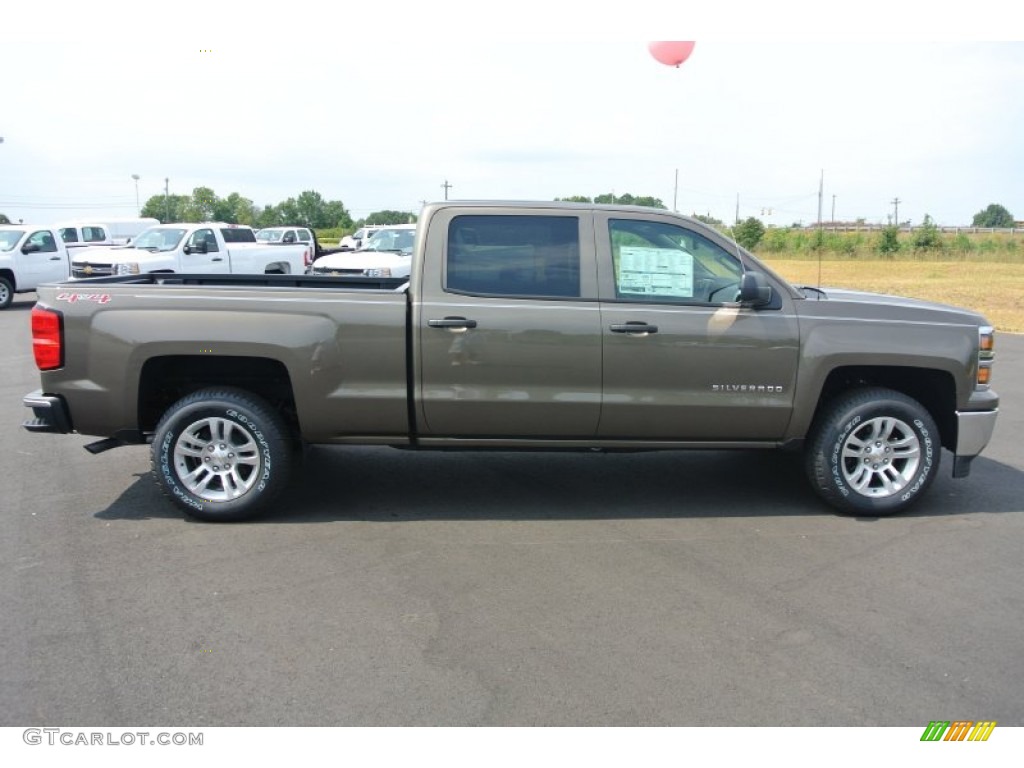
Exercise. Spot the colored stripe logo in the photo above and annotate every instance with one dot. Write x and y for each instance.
(958, 730)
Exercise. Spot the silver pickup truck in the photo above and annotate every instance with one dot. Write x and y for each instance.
(522, 326)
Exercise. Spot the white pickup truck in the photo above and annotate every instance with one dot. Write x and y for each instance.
(207, 248)
(29, 257)
(359, 238)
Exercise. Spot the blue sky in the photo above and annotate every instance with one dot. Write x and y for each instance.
(379, 112)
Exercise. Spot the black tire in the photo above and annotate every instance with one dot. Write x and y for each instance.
(6, 293)
(873, 451)
(221, 454)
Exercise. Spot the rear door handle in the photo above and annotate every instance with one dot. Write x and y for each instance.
(634, 328)
(453, 323)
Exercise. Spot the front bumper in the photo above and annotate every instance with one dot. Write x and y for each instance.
(50, 413)
(974, 430)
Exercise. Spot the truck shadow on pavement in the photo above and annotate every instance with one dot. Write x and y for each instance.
(387, 485)
(22, 304)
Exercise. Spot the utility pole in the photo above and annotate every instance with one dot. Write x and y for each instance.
(833, 209)
(896, 204)
(675, 194)
(167, 201)
(821, 191)
(737, 208)
(446, 186)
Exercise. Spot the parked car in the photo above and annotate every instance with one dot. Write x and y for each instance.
(387, 254)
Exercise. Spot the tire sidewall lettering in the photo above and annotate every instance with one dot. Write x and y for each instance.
(835, 461)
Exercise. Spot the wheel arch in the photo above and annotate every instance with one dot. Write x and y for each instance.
(165, 380)
(934, 389)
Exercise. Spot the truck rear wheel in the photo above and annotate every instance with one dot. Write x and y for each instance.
(873, 451)
(221, 454)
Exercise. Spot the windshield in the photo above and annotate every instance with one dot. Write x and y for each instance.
(270, 235)
(397, 240)
(9, 238)
(159, 239)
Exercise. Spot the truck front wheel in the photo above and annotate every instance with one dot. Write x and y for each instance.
(221, 454)
(873, 451)
(6, 293)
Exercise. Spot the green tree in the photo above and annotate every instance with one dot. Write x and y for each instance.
(711, 221)
(573, 199)
(927, 236)
(749, 232)
(235, 209)
(649, 202)
(611, 198)
(336, 214)
(889, 240)
(993, 216)
(310, 209)
(201, 206)
(390, 217)
(166, 210)
(268, 217)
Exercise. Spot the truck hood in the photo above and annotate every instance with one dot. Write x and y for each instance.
(399, 264)
(108, 255)
(882, 306)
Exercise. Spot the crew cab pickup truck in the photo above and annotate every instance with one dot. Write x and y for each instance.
(210, 247)
(29, 256)
(522, 326)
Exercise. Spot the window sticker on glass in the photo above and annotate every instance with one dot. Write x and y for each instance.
(655, 271)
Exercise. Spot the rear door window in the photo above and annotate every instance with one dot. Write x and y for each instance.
(514, 256)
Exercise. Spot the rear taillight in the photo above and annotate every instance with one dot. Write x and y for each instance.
(308, 256)
(47, 338)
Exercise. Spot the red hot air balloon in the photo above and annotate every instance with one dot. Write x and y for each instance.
(671, 53)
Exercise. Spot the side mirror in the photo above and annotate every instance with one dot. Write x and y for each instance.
(198, 247)
(754, 290)
(30, 248)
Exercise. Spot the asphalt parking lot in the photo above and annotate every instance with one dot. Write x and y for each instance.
(395, 588)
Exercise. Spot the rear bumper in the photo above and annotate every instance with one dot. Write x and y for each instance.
(49, 413)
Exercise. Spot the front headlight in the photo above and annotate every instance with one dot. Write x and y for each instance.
(379, 272)
(986, 355)
(130, 268)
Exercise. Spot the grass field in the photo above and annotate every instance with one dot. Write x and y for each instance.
(995, 289)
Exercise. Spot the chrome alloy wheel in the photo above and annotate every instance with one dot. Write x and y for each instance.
(880, 457)
(217, 459)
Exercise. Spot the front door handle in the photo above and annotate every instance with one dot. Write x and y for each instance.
(453, 323)
(634, 328)
(218, 258)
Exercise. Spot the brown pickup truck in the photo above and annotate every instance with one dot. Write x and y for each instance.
(522, 326)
